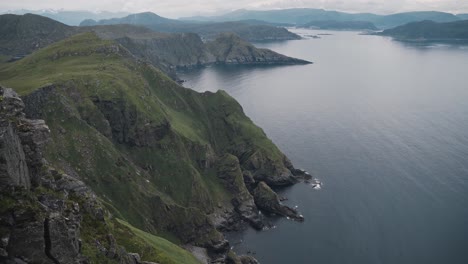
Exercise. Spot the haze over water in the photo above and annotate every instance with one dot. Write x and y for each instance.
(384, 126)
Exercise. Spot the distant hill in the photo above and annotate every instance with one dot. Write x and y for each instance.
(301, 16)
(341, 25)
(250, 31)
(430, 30)
(22, 34)
(145, 18)
(71, 18)
(463, 16)
(399, 19)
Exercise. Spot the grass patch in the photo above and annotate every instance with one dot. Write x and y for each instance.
(151, 248)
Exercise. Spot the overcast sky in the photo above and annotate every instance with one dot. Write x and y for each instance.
(178, 8)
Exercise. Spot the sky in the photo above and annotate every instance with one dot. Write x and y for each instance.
(181, 8)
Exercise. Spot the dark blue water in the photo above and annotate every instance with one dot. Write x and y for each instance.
(384, 126)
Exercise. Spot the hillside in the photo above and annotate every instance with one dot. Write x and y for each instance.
(301, 16)
(168, 161)
(430, 31)
(22, 34)
(399, 19)
(71, 18)
(207, 30)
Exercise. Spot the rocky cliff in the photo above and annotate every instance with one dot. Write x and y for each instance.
(229, 48)
(165, 161)
(43, 211)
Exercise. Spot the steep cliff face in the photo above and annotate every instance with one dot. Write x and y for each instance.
(47, 216)
(36, 224)
(167, 160)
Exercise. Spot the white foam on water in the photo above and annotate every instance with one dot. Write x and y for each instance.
(316, 184)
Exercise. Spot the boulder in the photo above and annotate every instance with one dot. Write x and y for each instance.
(267, 200)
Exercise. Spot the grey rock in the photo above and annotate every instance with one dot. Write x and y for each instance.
(267, 200)
(13, 167)
(27, 242)
(248, 260)
(230, 173)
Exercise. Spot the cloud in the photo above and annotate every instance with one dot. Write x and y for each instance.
(176, 8)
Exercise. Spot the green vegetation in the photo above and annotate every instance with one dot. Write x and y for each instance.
(152, 248)
(144, 144)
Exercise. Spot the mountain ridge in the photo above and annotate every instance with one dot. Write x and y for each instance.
(165, 159)
(300, 16)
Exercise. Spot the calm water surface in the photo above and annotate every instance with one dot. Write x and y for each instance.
(384, 126)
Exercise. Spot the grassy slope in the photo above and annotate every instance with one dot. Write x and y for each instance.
(158, 186)
(153, 247)
(150, 247)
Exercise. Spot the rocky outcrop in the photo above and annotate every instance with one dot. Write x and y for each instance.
(248, 260)
(267, 200)
(21, 141)
(13, 168)
(229, 48)
(231, 175)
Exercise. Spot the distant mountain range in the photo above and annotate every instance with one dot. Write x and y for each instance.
(245, 19)
(300, 16)
(430, 31)
(250, 30)
(71, 18)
